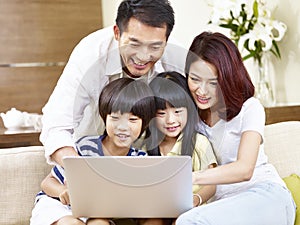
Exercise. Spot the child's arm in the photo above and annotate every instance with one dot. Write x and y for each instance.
(53, 188)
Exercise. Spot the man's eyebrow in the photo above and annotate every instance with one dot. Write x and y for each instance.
(135, 40)
(138, 41)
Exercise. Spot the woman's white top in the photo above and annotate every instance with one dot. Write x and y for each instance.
(225, 138)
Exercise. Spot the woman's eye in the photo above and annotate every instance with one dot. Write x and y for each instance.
(114, 117)
(194, 79)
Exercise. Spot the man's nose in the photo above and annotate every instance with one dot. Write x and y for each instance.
(143, 54)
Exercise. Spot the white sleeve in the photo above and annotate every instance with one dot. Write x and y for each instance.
(254, 116)
(78, 87)
(59, 114)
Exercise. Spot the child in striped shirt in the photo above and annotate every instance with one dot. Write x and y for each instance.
(126, 106)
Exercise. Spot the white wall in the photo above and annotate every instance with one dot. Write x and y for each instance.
(191, 17)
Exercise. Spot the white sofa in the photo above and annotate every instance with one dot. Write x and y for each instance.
(23, 168)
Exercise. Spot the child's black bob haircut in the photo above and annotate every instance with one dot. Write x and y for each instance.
(126, 95)
(171, 89)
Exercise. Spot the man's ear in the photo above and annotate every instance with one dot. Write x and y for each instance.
(117, 33)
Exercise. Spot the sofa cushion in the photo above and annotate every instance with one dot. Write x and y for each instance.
(282, 146)
(22, 170)
(293, 184)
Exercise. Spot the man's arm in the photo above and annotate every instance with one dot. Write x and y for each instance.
(58, 155)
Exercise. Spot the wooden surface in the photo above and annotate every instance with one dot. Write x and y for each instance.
(282, 113)
(36, 39)
(45, 30)
(19, 138)
(35, 34)
(27, 89)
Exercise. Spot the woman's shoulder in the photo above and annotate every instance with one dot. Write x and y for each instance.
(252, 102)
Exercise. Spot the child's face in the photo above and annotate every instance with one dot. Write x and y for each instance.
(171, 121)
(123, 129)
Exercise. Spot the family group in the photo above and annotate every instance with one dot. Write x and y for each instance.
(131, 90)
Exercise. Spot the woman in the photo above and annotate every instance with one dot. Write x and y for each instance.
(249, 189)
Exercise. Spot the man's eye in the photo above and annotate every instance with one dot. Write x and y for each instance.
(134, 45)
(156, 47)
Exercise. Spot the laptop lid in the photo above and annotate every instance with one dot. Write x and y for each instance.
(129, 187)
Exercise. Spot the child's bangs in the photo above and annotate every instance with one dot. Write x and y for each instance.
(177, 99)
(134, 99)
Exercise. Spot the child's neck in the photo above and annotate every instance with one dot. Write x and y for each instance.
(167, 144)
(110, 149)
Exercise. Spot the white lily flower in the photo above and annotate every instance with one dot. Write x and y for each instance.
(276, 28)
(221, 9)
(259, 33)
(250, 29)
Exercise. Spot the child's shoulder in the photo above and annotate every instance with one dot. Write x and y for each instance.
(136, 152)
(88, 145)
(202, 144)
(86, 140)
(199, 137)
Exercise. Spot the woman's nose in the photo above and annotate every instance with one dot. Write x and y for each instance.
(202, 89)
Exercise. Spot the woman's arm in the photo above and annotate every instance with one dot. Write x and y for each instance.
(238, 171)
(205, 193)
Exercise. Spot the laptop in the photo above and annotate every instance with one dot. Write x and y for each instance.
(129, 187)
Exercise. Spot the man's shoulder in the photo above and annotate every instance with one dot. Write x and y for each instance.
(104, 35)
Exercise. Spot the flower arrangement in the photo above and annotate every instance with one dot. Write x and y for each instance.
(251, 26)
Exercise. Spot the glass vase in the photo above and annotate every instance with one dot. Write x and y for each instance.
(263, 89)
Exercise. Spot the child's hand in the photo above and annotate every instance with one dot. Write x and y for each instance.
(64, 197)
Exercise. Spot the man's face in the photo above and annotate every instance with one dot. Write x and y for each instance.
(140, 46)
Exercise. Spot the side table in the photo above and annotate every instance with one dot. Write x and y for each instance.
(19, 138)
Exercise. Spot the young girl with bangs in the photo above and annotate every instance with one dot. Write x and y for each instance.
(173, 130)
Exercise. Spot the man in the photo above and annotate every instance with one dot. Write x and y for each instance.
(136, 47)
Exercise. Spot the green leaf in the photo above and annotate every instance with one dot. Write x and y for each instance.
(230, 26)
(255, 9)
(276, 49)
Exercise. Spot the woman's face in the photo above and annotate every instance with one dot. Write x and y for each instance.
(202, 82)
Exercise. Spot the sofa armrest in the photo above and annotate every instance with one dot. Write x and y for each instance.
(22, 170)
